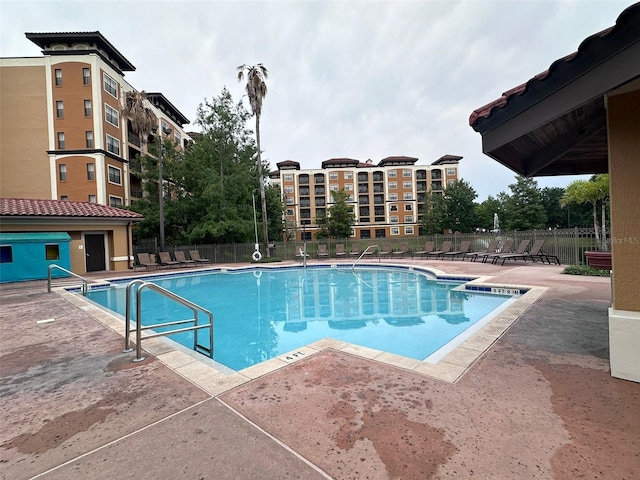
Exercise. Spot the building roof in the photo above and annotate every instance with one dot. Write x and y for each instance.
(288, 165)
(555, 123)
(340, 162)
(96, 41)
(25, 207)
(447, 160)
(160, 101)
(397, 160)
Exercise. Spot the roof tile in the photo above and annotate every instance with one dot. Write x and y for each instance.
(58, 208)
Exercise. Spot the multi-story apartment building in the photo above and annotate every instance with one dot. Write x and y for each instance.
(63, 134)
(388, 198)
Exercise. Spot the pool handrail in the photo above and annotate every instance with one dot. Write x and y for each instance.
(362, 255)
(82, 279)
(177, 298)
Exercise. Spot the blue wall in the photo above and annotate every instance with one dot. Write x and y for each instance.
(23, 256)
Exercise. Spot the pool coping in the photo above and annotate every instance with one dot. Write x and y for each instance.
(216, 379)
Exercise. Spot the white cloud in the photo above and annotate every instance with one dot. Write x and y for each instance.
(363, 79)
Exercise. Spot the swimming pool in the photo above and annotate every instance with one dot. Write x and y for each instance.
(261, 314)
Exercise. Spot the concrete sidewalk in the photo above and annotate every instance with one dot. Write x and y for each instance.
(539, 404)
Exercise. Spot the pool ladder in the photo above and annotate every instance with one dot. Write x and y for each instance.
(139, 327)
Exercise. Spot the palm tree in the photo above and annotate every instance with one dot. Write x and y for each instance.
(140, 116)
(256, 91)
(593, 191)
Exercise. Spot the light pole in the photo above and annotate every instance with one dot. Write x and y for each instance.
(161, 184)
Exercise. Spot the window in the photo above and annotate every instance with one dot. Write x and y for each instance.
(59, 109)
(451, 171)
(393, 185)
(111, 115)
(381, 233)
(115, 201)
(393, 197)
(115, 175)
(406, 173)
(87, 108)
(62, 172)
(165, 126)
(64, 198)
(289, 212)
(61, 142)
(288, 188)
(86, 76)
(348, 187)
(290, 201)
(333, 176)
(305, 235)
(333, 187)
(91, 171)
(348, 175)
(6, 254)
(365, 233)
(351, 198)
(52, 251)
(288, 177)
(177, 137)
(393, 219)
(58, 77)
(408, 230)
(408, 219)
(113, 145)
(408, 207)
(394, 208)
(92, 199)
(406, 185)
(395, 230)
(110, 85)
(88, 137)
(407, 196)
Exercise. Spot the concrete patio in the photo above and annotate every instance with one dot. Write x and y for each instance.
(539, 403)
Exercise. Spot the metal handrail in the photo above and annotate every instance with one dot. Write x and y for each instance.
(49, 278)
(177, 298)
(362, 255)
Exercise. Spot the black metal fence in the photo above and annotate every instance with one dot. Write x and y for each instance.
(568, 245)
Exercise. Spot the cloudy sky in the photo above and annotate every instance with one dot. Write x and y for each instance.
(357, 79)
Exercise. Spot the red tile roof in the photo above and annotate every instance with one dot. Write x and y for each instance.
(487, 110)
(25, 207)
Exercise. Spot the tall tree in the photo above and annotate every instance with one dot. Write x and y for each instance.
(432, 213)
(551, 197)
(523, 209)
(339, 218)
(459, 207)
(486, 211)
(594, 191)
(139, 115)
(256, 91)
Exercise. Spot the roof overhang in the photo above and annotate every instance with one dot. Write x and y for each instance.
(556, 123)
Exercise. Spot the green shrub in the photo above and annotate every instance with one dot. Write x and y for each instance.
(586, 270)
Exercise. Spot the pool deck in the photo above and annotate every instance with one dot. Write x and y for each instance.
(539, 403)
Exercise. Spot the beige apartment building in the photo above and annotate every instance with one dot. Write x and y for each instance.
(62, 134)
(388, 198)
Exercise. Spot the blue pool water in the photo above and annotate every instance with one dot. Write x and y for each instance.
(259, 315)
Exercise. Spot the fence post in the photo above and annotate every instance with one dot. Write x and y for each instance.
(575, 245)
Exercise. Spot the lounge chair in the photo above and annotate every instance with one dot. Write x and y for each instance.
(521, 250)
(402, 250)
(322, 252)
(195, 256)
(180, 257)
(340, 250)
(384, 251)
(534, 254)
(301, 252)
(355, 250)
(144, 260)
(444, 248)
(506, 248)
(491, 248)
(428, 247)
(166, 261)
(464, 248)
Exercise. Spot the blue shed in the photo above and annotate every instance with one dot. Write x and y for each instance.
(27, 256)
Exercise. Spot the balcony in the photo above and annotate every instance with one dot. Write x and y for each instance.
(304, 191)
(421, 186)
(319, 191)
(363, 188)
(320, 202)
(378, 199)
(318, 179)
(436, 174)
(436, 185)
(363, 200)
(421, 175)
(363, 177)
(303, 180)
(364, 211)
(305, 202)
(378, 188)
